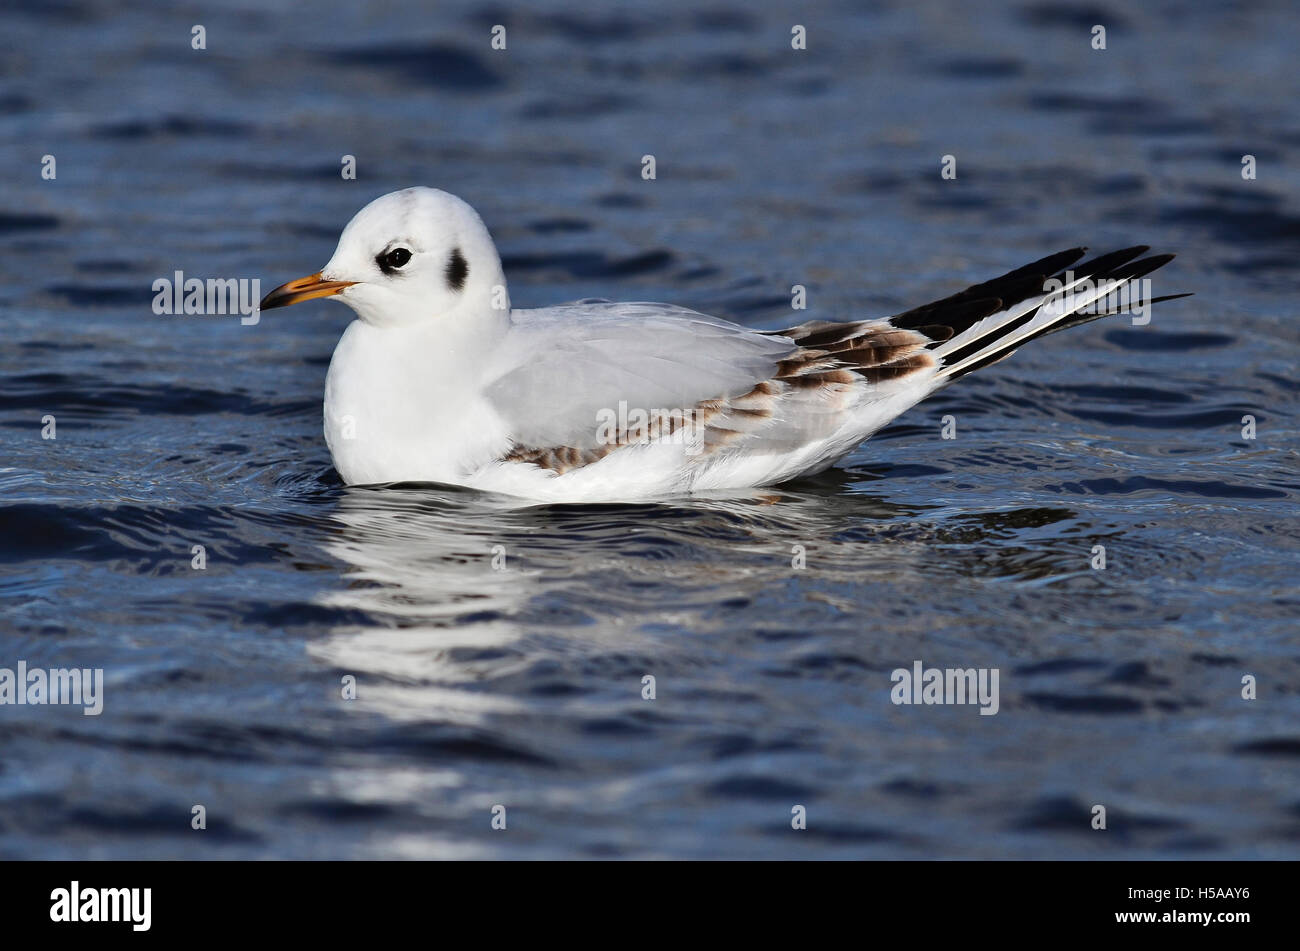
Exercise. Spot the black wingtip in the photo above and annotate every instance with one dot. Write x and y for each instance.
(1139, 268)
(1162, 258)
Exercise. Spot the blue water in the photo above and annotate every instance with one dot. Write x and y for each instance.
(521, 687)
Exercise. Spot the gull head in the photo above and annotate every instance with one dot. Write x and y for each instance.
(413, 256)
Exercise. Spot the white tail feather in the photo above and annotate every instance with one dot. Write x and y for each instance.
(1054, 307)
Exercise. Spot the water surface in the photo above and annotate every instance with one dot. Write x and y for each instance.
(522, 687)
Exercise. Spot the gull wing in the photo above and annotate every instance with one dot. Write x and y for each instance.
(818, 388)
(564, 365)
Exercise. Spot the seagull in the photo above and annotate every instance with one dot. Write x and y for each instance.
(440, 380)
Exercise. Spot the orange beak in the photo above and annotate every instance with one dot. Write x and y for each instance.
(305, 288)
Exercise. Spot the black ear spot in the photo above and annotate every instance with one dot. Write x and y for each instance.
(457, 270)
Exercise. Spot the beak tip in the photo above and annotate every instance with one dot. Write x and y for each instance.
(305, 288)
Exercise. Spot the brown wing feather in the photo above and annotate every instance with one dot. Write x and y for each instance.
(832, 364)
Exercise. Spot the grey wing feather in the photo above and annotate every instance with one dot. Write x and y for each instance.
(565, 364)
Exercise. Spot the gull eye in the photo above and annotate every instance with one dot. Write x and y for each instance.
(390, 261)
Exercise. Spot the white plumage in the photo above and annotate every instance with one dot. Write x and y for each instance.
(439, 380)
